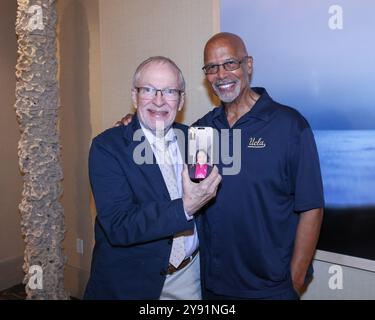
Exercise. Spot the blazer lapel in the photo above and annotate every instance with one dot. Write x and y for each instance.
(181, 133)
(151, 172)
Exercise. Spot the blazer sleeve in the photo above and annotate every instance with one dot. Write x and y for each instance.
(123, 219)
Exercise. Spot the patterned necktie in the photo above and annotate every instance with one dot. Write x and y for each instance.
(169, 174)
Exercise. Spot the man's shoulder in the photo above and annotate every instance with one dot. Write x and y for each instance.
(207, 119)
(288, 111)
(111, 135)
(282, 115)
(180, 126)
(290, 116)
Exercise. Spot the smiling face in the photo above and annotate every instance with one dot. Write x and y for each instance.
(228, 85)
(201, 157)
(157, 113)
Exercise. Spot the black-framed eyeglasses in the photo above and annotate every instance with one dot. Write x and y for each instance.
(229, 65)
(167, 93)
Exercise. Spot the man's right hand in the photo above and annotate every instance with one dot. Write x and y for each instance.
(196, 195)
(125, 120)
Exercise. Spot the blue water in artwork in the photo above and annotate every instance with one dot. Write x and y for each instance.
(347, 159)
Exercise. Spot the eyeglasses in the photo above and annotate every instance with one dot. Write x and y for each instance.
(229, 65)
(167, 93)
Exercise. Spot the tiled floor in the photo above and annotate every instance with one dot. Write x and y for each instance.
(17, 293)
(14, 293)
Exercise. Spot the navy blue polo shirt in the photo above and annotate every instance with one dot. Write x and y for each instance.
(248, 232)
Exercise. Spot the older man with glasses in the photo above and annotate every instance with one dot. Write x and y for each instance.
(146, 244)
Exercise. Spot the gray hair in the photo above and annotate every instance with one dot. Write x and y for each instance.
(159, 59)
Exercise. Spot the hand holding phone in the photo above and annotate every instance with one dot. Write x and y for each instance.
(196, 195)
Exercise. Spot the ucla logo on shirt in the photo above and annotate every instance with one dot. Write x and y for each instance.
(256, 143)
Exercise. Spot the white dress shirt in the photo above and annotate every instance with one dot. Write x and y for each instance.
(191, 241)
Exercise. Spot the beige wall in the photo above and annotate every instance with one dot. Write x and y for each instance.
(80, 87)
(100, 44)
(134, 30)
(11, 244)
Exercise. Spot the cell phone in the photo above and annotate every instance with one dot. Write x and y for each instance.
(200, 152)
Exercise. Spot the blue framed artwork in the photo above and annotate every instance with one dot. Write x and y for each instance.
(319, 57)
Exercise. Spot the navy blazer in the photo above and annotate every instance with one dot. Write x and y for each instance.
(135, 222)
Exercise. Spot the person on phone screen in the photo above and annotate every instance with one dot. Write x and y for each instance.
(201, 169)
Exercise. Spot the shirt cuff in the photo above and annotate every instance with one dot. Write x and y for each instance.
(188, 217)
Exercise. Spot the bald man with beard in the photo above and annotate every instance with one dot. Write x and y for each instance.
(258, 237)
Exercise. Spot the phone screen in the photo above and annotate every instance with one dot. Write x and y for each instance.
(200, 148)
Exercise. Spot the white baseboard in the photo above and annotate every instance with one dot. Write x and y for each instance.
(345, 260)
(11, 272)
